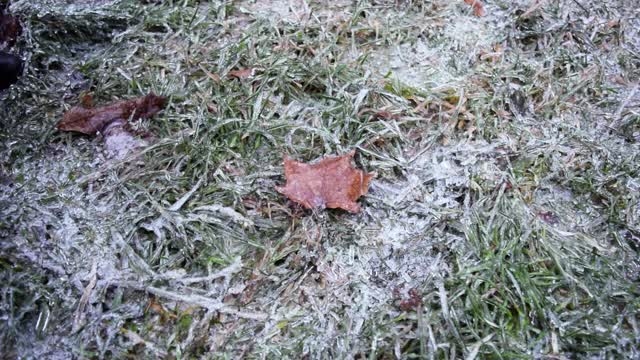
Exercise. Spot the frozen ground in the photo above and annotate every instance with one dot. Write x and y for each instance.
(504, 220)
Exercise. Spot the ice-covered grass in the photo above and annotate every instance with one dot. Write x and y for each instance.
(504, 221)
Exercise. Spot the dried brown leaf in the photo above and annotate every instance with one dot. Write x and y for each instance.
(412, 302)
(478, 8)
(212, 76)
(241, 73)
(86, 101)
(386, 115)
(330, 183)
(91, 120)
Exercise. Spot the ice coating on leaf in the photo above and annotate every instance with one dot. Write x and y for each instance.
(91, 120)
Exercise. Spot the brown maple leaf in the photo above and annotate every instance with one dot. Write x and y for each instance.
(88, 120)
(330, 183)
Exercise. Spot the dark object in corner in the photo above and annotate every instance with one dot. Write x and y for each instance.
(10, 28)
(10, 69)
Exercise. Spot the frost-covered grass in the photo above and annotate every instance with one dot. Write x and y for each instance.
(504, 221)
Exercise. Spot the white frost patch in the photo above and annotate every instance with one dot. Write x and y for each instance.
(67, 234)
(119, 145)
(413, 64)
(427, 63)
(299, 11)
(295, 11)
(470, 34)
(361, 280)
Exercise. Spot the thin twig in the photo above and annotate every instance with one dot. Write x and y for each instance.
(78, 318)
(229, 270)
(617, 118)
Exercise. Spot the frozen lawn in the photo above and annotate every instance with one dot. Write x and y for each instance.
(504, 221)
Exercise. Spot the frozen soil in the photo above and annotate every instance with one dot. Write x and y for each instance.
(504, 220)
